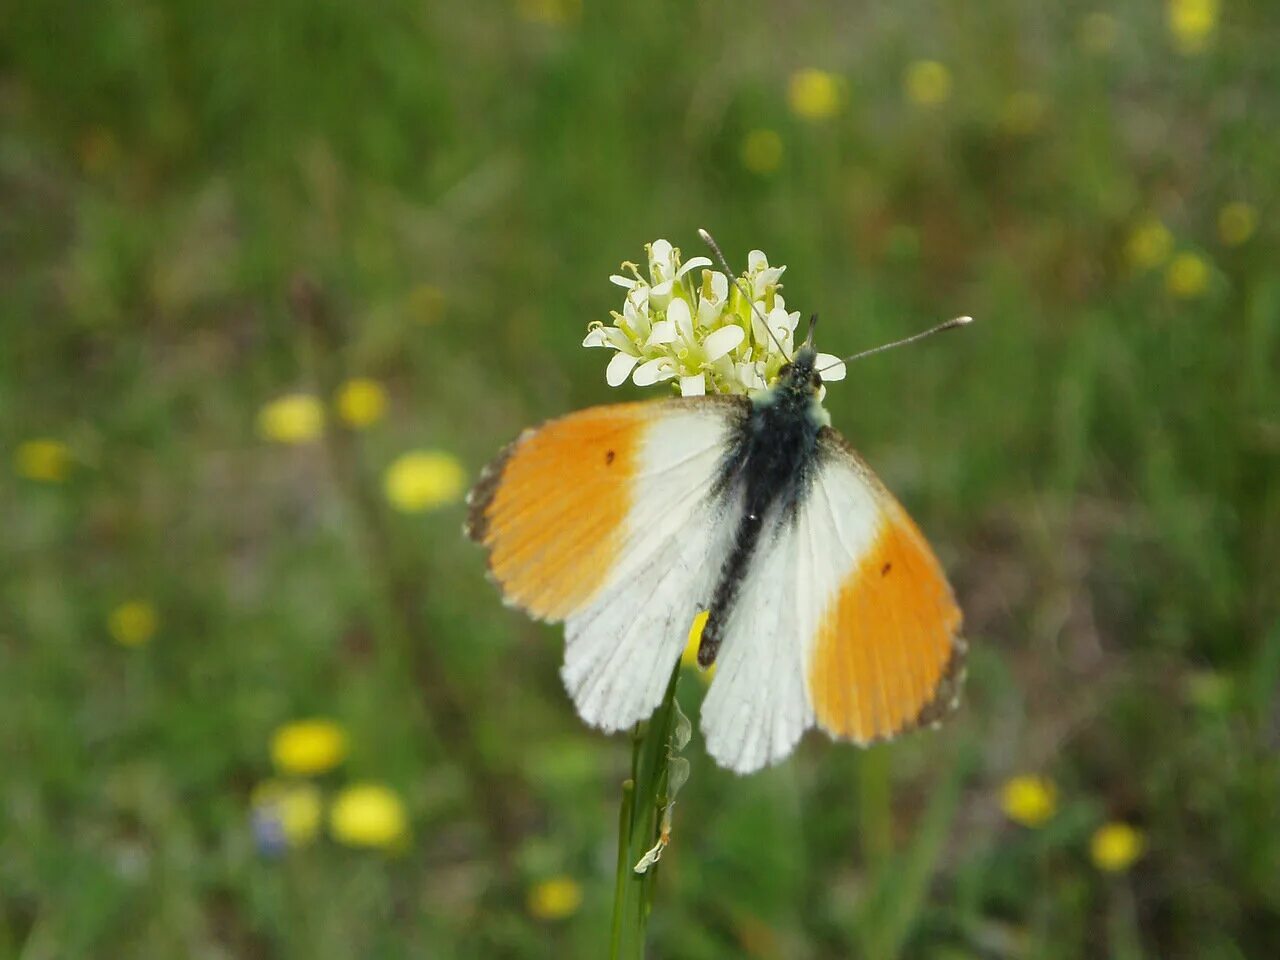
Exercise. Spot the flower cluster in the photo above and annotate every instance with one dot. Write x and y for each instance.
(694, 327)
(1032, 801)
(288, 811)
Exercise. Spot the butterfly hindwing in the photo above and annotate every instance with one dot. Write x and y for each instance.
(606, 519)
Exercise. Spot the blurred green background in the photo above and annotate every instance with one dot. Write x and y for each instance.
(190, 566)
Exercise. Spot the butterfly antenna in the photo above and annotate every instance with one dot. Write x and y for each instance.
(737, 281)
(946, 325)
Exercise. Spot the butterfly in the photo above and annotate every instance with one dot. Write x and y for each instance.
(825, 604)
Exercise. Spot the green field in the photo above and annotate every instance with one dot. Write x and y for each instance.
(205, 208)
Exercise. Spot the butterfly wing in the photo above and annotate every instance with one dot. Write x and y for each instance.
(609, 520)
(845, 620)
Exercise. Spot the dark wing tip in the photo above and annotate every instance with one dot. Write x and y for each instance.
(481, 495)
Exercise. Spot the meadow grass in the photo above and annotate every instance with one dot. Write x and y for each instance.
(1097, 461)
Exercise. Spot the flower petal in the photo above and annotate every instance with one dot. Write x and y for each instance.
(693, 386)
(830, 367)
(664, 331)
(596, 337)
(625, 282)
(693, 264)
(678, 314)
(660, 295)
(619, 368)
(653, 371)
(722, 341)
(619, 340)
(756, 260)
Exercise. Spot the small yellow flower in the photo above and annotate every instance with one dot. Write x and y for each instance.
(1187, 276)
(368, 815)
(1149, 245)
(133, 623)
(690, 656)
(43, 459)
(292, 809)
(555, 898)
(927, 83)
(1098, 32)
(1023, 112)
(814, 94)
(762, 151)
(1192, 23)
(423, 480)
(1115, 846)
(361, 401)
(307, 747)
(1029, 800)
(1236, 223)
(293, 418)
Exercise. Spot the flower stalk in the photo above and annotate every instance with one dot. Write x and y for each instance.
(645, 799)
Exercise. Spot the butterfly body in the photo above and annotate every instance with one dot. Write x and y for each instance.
(772, 459)
(826, 606)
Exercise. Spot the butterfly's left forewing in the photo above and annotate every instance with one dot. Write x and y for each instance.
(610, 520)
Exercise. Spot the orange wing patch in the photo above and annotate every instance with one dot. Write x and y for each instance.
(886, 650)
(551, 507)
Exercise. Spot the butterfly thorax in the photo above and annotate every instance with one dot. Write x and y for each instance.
(768, 472)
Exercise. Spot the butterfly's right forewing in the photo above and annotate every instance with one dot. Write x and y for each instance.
(611, 520)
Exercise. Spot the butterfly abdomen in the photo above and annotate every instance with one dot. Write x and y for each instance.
(771, 464)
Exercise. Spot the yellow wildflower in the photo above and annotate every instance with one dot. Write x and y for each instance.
(1029, 800)
(1191, 22)
(368, 815)
(423, 480)
(133, 623)
(307, 747)
(293, 418)
(43, 459)
(927, 83)
(361, 401)
(555, 898)
(1098, 33)
(288, 811)
(762, 151)
(690, 656)
(1187, 276)
(1149, 245)
(1023, 112)
(814, 94)
(1236, 223)
(1115, 846)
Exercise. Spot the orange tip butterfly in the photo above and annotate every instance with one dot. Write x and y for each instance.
(826, 606)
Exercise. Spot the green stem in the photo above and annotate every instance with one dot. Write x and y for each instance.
(639, 823)
(624, 867)
(875, 808)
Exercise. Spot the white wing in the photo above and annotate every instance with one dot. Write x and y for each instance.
(610, 520)
(825, 629)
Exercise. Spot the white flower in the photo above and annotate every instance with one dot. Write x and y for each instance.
(694, 327)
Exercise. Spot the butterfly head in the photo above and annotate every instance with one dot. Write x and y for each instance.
(799, 377)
